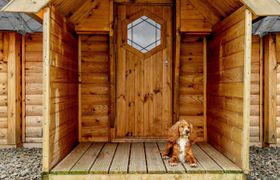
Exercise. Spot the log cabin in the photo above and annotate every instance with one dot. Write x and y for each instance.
(118, 73)
(265, 122)
(20, 79)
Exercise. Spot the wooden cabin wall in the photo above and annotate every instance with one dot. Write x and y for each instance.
(10, 89)
(92, 16)
(3, 94)
(192, 21)
(32, 89)
(191, 92)
(228, 83)
(256, 93)
(60, 88)
(94, 88)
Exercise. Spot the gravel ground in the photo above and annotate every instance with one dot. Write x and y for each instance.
(25, 164)
(20, 164)
(265, 163)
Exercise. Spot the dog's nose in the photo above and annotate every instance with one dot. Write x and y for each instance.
(187, 131)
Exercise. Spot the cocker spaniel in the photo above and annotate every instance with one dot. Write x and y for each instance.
(181, 137)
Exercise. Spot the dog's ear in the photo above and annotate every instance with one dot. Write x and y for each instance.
(173, 132)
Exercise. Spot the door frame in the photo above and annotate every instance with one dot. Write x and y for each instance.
(113, 69)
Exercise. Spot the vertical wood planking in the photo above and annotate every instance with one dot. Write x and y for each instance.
(247, 91)
(46, 91)
(14, 88)
(23, 118)
(205, 88)
(270, 90)
(3, 90)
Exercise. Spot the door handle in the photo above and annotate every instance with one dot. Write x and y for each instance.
(166, 61)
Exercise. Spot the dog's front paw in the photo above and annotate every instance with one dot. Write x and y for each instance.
(193, 165)
(173, 163)
(165, 157)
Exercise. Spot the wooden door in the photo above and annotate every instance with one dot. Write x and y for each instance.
(144, 68)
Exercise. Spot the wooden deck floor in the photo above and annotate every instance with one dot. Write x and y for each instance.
(140, 158)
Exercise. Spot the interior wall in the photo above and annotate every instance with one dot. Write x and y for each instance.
(256, 114)
(94, 88)
(191, 92)
(60, 87)
(3, 94)
(228, 83)
(192, 20)
(33, 93)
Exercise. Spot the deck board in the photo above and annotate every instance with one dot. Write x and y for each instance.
(171, 169)
(154, 160)
(137, 159)
(85, 163)
(104, 159)
(225, 163)
(67, 163)
(120, 162)
(206, 162)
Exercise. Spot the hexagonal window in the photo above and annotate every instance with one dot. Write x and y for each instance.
(144, 34)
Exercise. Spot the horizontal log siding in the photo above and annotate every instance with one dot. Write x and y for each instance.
(63, 72)
(191, 98)
(255, 113)
(95, 88)
(33, 88)
(225, 87)
(3, 94)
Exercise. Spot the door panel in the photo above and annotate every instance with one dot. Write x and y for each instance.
(144, 79)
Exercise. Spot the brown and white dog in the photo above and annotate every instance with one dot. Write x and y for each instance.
(181, 137)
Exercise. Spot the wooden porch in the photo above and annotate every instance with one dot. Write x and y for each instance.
(139, 158)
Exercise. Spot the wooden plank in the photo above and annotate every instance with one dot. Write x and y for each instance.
(206, 162)
(221, 160)
(246, 94)
(26, 6)
(137, 159)
(171, 169)
(205, 88)
(14, 88)
(23, 118)
(263, 7)
(154, 161)
(84, 164)
(121, 158)
(236, 176)
(72, 158)
(46, 91)
(104, 159)
(80, 88)
(270, 90)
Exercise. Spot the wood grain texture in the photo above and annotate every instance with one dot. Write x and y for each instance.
(134, 158)
(191, 91)
(33, 47)
(226, 76)
(3, 92)
(60, 88)
(144, 88)
(255, 114)
(95, 88)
